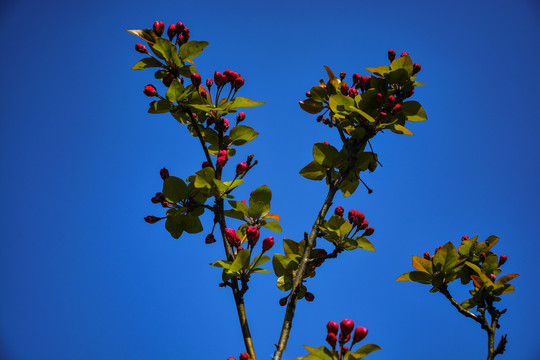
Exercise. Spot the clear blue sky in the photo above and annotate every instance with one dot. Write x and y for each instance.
(82, 276)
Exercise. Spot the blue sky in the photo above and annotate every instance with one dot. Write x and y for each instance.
(82, 276)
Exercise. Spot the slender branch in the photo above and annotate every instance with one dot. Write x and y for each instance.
(479, 319)
(199, 135)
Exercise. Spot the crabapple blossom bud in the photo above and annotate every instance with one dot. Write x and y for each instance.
(210, 239)
(355, 78)
(150, 90)
(239, 248)
(353, 92)
(359, 334)
(244, 356)
(369, 231)
(342, 75)
(231, 358)
(379, 98)
(416, 68)
(391, 100)
(308, 94)
(344, 338)
(492, 277)
(221, 161)
(179, 27)
(356, 218)
(238, 83)
(205, 164)
(268, 243)
(158, 198)
(241, 168)
(252, 234)
(226, 124)
(464, 237)
(502, 259)
(283, 301)
(344, 89)
(427, 256)
(397, 108)
(331, 339)
(382, 115)
(171, 31)
(159, 28)
(332, 327)
(482, 257)
(347, 327)
(241, 116)
(209, 83)
(219, 78)
(346, 349)
(167, 80)
(185, 32)
(164, 173)
(339, 211)
(404, 54)
(141, 48)
(222, 153)
(232, 238)
(391, 55)
(196, 79)
(151, 219)
(309, 297)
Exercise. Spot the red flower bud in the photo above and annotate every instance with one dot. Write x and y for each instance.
(151, 219)
(502, 259)
(391, 100)
(391, 55)
(223, 153)
(309, 297)
(356, 218)
(344, 89)
(355, 78)
(339, 211)
(179, 27)
(308, 94)
(365, 82)
(210, 239)
(241, 168)
(364, 225)
(464, 237)
(196, 79)
(140, 48)
(241, 116)
(231, 358)
(482, 257)
(238, 83)
(427, 256)
(244, 356)
(332, 327)
(382, 115)
(353, 92)
(397, 108)
(158, 198)
(359, 334)
(185, 32)
(167, 80)
(205, 164)
(164, 173)
(331, 339)
(221, 161)
(345, 349)
(404, 54)
(209, 83)
(268, 243)
(171, 31)
(379, 98)
(492, 277)
(369, 231)
(283, 301)
(252, 234)
(342, 75)
(347, 327)
(232, 238)
(416, 68)
(227, 74)
(159, 28)
(226, 124)
(150, 90)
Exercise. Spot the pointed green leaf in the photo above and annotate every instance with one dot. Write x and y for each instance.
(164, 49)
(327, 155)
(234, 214)
(174, 189)
(241, 262)
(341, 103)
(318, 94)
(446, 258)
(242, 102)
(487, 244)
(159, 107)
(313, 171)
(204, 178)
(272, 225)
(146, 34)
(311, 106)
(379, 71)
(403, 62)
(225, 264)
(367, 349)
(242, 134)
(192, 49)
(259, 260)
(364, 243)
(261, 194)
(174, 91)
(414, 111)
(284, 283)
(399, 129)
(419, 263)
(146, 63)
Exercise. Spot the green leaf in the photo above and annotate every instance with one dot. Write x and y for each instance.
(403, 62)
(446, 258)
(259, 270)
(349, 184)
(164, 49)
(414, 111)
(272, 225)
(421, 264)
(321, 353)
(506, 278)
(259, 260)
(174, 189)
(234, 214)
(187, 70)
(241, 262)
(239, 206)
(327, 155)
(379, 71)
(174, 91)
(146, 63)
(341, 103)
(173, 224)
(284, 283)
(261, 194)
(364, 243)
(367, 349)
(318, 94)
(465, 248)
(258, 210)
(487, 244)
(477, 270)
(313, 171)
(242, 134)
(291, 247)
(311, 106)
(146, 34)
(242, 102)
(230, 185)
(192, 49)
(225, 264)
(400, 77)
(191, 224)
(159, 107)
(204, 178)
(399, 129)
(416, 276)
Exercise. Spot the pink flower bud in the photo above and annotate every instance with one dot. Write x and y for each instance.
(344, 89)
(209, 83)
(502, 259)
(404, 54)
(353, 92)
(232, 238)
(356, 217)
(244, 356)
(391, 100)
(179, 27)
(241, 116)
(427, 256)
(344, 338)
(369, 231)
(196, 79)
(359, 334)
(339, 211)
(268, 243)
(238, 83)
(185, 32)
(221, 161)
(492, 277)
(140, 48)
(219, 78)
(382, 115)
(332, 327)
(151, 219)
(210, 239)
(225, 124)
(364, 225)
(308, 94)
(150, 90)
(159, 28)
(379, 98)
(397, 108)
(252, 234)
(309, 297)
(241, 168)
(347, 327)
(391, 55)
(227, 74)
(223, 153)
(331, 339)
(205, 164)
(342, 75)
(464, 237)
(171, 31)
(164, 173)
(416, 68)
(355, 78)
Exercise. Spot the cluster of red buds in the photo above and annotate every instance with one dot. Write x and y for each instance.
(232, 238)
(347, 327)
(222, 159)
(388, 105)
(179, 30)
(228, 76)
(358, 220)
(325, 121)
(159, 198)
(243, 356)
(361, 82)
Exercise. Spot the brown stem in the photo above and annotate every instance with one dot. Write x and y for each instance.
(199, 135)
(479, 319)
